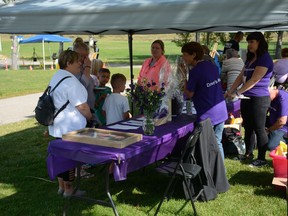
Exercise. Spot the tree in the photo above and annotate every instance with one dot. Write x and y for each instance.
(279, 44)
(207, 38)
(202, 38)
(223, 37)
(268, 36)
(8, 1)
(182, 39)
(14, 52)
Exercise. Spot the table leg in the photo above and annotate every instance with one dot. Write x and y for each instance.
(107, 189)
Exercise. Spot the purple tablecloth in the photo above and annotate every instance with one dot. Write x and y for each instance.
(64, 155)
(234, 108)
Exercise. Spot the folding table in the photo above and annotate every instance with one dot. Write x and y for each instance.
(65, 155)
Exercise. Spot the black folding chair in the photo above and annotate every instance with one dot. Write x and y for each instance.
(185, 168)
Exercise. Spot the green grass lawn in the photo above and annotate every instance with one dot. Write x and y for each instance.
(113, 49)
(113, 52)
(22, 82)
(25, 188)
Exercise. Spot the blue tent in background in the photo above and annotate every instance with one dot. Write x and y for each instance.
(45, 38)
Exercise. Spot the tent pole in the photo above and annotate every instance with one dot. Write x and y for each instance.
(43, 48)
(130, 44)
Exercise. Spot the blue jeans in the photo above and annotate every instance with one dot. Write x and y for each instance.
(274, 139)
(218, 129)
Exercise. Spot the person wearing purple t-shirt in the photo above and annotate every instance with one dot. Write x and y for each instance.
(277, 124)
(204, 87)
(255, 77)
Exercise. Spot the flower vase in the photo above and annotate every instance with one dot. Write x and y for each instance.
(148, 125)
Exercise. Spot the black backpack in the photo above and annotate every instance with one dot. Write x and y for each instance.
(233, 142)
(45, 109)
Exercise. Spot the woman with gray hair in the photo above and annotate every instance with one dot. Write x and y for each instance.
(74, 116)
(231, 67)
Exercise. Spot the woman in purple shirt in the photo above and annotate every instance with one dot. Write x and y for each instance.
(277, 124)
(204, 87)
(255, 77)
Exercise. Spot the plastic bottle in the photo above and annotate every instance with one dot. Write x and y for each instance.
(231, 118)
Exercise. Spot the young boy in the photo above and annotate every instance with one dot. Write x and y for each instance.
(101, 93)
(116, 106)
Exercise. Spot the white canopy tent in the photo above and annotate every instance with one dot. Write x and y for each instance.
(142, 16)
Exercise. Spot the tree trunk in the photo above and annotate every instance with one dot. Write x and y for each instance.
(61, 47)
(197, 37)
(279, 44)
(14, 52)
(0, 44)
(208, 39)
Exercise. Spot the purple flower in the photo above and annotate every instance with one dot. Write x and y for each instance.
(147, 99)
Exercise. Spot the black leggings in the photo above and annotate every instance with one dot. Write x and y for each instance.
(254, 111)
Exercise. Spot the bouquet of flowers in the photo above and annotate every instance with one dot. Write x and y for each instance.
(147, 96)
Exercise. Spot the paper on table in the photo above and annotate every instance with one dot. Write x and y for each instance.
(123, 127)
(133, 122)
(242, 97)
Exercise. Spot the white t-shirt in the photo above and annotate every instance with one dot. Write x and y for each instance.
(232, 67)
(115, 106)
(70, 118)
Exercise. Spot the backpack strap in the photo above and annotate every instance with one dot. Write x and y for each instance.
(59, 83)
(65, 105)
(62, 108)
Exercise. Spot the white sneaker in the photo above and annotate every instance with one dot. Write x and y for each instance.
(85, 174)
(60, 191)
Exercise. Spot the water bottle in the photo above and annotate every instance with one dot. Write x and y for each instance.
(231, 118)
(189, 107)
(242, 147)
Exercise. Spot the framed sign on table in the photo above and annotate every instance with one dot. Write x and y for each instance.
(103, 137)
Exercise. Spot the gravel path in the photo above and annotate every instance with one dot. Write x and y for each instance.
(21, 108)
(17, 108)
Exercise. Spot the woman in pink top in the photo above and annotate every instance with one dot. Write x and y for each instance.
(157, 68)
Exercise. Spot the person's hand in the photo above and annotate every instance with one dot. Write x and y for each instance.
(87, 66)
(267, 130)
(87, 62)
(229, 95)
